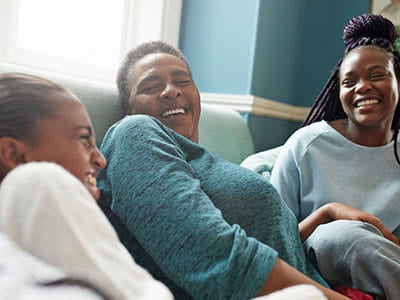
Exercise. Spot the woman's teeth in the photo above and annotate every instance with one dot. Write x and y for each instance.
(173, 112)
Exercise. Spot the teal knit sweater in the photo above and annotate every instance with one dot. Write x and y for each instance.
(207, 228)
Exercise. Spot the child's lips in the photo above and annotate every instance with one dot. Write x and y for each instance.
(91, 184)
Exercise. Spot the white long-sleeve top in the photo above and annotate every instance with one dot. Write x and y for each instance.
(50, 214)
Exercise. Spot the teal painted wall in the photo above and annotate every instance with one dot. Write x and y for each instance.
(277, 41)
(218, 39)
(281, 50)
(322, 40)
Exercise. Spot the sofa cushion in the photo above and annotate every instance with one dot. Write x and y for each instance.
(100, 99)
(221, 130)
(224, 132)
(262, 162)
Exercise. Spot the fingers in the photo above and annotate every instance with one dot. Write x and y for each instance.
(391, 237)
(388, 234)
(342, 211)
(381, 227)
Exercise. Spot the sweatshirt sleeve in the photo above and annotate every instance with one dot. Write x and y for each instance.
(156, 194)
(50, 214)
(285, 178)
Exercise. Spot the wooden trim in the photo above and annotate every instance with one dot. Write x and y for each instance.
(257, 106)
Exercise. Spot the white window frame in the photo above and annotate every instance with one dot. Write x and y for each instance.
(162, 22)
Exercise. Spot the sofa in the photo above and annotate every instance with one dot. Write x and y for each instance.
(221, 130)
(262, 162)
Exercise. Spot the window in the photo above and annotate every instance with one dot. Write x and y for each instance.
(87, 38)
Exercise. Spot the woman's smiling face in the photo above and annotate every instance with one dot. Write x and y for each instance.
(162, 87)
(369, 88)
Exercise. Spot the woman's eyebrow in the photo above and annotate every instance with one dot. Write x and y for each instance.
(155, 77)
(149, 78)
(180, 72)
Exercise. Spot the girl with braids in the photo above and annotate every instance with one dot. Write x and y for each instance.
(48, 167)
(346, 154)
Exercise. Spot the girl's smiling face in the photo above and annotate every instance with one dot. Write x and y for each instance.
(369, 88)
(67, 138)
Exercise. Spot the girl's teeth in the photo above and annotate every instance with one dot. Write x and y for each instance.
(90, 179)
(366, 102)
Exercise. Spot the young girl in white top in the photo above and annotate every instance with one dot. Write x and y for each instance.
(48, 167)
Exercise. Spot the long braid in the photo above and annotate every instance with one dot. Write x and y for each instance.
(396, 153)
(325, 102)
(364, 30)
(396, 117)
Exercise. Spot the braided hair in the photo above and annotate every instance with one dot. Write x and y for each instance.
(365, 30)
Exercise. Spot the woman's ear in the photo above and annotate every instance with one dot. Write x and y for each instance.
(12, 152)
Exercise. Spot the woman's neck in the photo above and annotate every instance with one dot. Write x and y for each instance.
(365, 136)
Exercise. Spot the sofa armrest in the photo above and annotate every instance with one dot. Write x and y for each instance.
(224, 132)
(262, 162)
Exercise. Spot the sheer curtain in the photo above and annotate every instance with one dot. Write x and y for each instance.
(87, 38)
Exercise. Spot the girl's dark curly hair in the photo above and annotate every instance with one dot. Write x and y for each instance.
(364, 30)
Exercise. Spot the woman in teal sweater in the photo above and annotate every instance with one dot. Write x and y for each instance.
(206, 227)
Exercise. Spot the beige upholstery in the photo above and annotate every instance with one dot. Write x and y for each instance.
(222, 130)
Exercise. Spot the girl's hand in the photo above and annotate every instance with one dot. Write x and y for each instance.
(338, 211)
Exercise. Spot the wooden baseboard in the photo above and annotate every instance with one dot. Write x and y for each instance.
(257, 106)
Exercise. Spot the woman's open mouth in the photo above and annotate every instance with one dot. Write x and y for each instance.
(173, 112)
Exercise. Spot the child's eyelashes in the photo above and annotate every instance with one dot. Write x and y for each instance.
(87, 140)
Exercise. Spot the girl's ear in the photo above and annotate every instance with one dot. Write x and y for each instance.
(12, 152)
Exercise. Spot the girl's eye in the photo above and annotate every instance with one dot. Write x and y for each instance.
(347, 82)
(86, 140)
(377, 76)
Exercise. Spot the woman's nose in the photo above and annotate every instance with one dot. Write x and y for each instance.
(171, 91)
